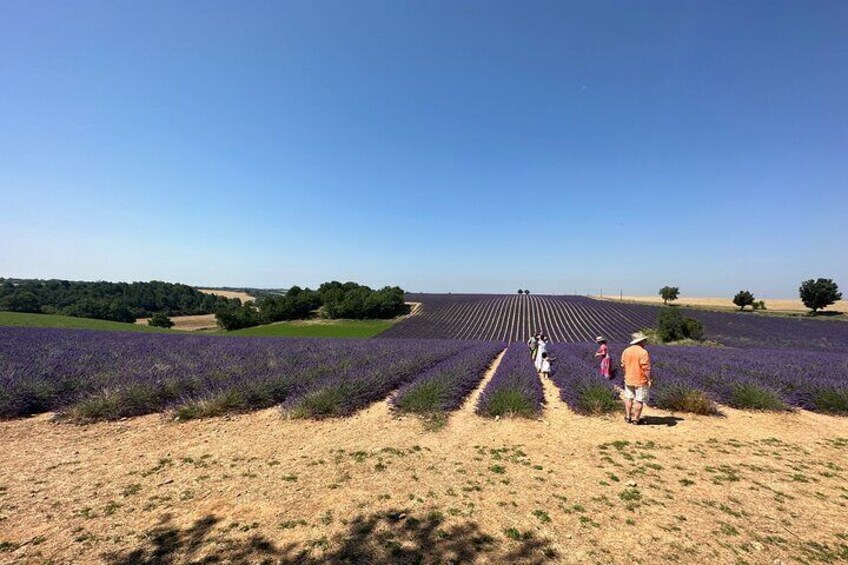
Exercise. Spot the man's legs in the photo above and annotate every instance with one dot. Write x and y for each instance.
(627, 404)
(637, 411)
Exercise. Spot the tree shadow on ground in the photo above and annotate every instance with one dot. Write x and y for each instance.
(667, 421)
(393, 536)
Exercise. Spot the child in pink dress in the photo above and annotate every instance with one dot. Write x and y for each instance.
(603, 353)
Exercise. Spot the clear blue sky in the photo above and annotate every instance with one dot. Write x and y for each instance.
(442, 146)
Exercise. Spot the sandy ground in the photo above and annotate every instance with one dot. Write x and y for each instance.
(243, 296)
(775, 304)
(189, 323)
(375, 488)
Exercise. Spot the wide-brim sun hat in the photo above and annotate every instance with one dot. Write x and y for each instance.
(638, 337)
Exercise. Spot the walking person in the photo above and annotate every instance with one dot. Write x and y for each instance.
(532, 344)
(636, 363)
(541, 349)
(603, 354)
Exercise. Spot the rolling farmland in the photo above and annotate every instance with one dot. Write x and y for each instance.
(515, 317)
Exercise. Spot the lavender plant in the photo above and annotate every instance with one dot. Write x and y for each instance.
(515, 388)
(445, 386)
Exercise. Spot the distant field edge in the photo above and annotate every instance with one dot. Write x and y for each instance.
(775, 306)
(22, 320)
(323, 328)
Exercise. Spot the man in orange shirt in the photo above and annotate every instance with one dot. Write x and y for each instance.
(637, 378)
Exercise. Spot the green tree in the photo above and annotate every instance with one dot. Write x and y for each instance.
(819, 293)
(674, 326)
(669, 293)
(160, 320)
(743, 298)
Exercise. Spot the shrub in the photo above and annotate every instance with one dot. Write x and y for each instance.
(819, 293)
(160, 320)
(759, 305)
(509, 401)
(595, 398)
(673, 326)
(237, 317)
(743, 298)
(669, 293)
(679, 397)
(752, 396)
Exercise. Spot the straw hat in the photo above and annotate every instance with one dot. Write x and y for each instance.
(638, 337)
(599, 339)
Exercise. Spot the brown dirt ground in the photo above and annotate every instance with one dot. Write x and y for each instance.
(189, 323)
(243, 296)
(375, 488)
(772, 304)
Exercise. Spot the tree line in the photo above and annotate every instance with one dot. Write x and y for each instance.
(120, 302)
(816, 294)
(334, 300)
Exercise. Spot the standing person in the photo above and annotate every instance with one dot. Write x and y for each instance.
(636, 363)
(603, 354)
(546, 366)
(532, 343)
(541, 349)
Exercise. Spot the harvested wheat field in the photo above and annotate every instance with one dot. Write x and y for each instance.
(189, 323)
(243, 296)
(373, 488)
(773, 304)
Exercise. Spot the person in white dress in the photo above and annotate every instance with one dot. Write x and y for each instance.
(541, 349)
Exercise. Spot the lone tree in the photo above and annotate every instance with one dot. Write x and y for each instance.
(819, 293)
(160, 320)
(743, 298)
(520, 291)
(669, 293)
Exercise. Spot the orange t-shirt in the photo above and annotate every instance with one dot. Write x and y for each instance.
(637, 365)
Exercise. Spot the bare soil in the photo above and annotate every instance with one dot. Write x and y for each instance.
(377, 488)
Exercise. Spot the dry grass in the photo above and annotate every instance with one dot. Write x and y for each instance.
(747, 487)
(189, 323)
(772, 304)
(243, 296)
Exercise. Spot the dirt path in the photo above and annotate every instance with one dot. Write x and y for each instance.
(744, 487)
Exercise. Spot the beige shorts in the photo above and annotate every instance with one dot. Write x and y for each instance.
(637, 393)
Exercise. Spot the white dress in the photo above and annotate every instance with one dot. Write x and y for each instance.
(542, 348)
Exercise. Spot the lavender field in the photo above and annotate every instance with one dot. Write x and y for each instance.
(577, 319)
(767, 379)
(91, 375)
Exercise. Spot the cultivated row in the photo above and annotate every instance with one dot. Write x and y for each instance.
(511, 318)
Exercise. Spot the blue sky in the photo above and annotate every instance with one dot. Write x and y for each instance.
(442, 146)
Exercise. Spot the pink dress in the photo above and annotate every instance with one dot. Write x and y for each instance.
(603, 353)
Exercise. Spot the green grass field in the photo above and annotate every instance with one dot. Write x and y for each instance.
(327, 328)
(22, 320)
(324, 328)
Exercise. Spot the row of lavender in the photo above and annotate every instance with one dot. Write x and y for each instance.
(90, 375)
(694, 378)
(515, 388)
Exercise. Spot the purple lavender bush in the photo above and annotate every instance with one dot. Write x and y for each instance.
(94, 375)
(445, 386)
(342, 393)
(576, 374)
(515, 388)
